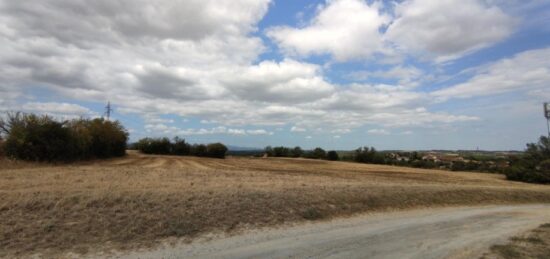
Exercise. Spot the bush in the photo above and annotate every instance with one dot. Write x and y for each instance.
(216, 150)
(332, 155)
(42, 138)
(38, 138)
(161, 146)
(527, 175)
(281, 152)
(199, 150)
(108, 138)
(297, 152)
(534, 165)
(318, 153)
(180, 147)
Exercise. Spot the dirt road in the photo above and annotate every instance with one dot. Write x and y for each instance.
(436, 233)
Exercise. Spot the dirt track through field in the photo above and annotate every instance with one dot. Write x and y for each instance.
(435, 233)
(141, 200)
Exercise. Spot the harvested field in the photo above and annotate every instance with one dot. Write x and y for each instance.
(142, 199)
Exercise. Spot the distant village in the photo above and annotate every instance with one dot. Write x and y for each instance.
(453, 160)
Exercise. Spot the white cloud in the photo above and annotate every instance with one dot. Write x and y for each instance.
(205, 66)
(448, 29)
(378, 132)
(297, 129)
(341, 131)
(407, 132)
(126, 20)
(406, 75)
(345, 29)
(65, 109)
(363, 97)
(154, 119)
(163, 129)
(526, 71)
(259, 132)
(287, 81)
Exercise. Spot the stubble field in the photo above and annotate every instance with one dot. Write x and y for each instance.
(140, 200)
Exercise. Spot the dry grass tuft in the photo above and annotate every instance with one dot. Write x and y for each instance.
(535, 244)
(141, 200)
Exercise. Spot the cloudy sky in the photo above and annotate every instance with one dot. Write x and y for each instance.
(412, 74)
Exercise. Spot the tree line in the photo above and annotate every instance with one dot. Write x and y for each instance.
(42, 138)
(164, 146)
(34, 137)
(317, 153)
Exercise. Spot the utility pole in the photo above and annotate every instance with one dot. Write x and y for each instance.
(108, 110)
(547, 116)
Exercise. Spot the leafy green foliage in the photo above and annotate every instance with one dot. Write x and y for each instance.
(216, 150)
(369, 155)
(332, 156)
(296, 152)
(281, 152)
(42, 138)
(163, 146)
(534, 166)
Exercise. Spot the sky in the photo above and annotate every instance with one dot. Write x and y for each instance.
(337, 74)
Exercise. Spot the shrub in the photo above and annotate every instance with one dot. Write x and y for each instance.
(161, 146)
(108, 138)
(199, 150)
(281, 152)
(42, 138)
(216, 150)
(284, 151)
(318, 153)
(180, 147)
(332, 155)
(534, 166)
(296, 152)
(38, 138)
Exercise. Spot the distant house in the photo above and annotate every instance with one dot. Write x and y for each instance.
(450, 158)
(402, 159)
(431, 157)
(397, 157)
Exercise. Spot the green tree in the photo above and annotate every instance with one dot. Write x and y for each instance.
(268, 151)
(319, 153)
(533, 165)
(216, 150)
(332, 155)
(297, 152)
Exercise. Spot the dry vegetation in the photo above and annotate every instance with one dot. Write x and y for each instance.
(535, 244)
(141, 199)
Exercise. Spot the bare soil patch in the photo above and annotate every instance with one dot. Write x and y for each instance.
(141, 199)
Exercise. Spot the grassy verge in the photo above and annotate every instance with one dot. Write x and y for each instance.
(535, 244)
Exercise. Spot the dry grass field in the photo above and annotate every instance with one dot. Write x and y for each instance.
(142, 199)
